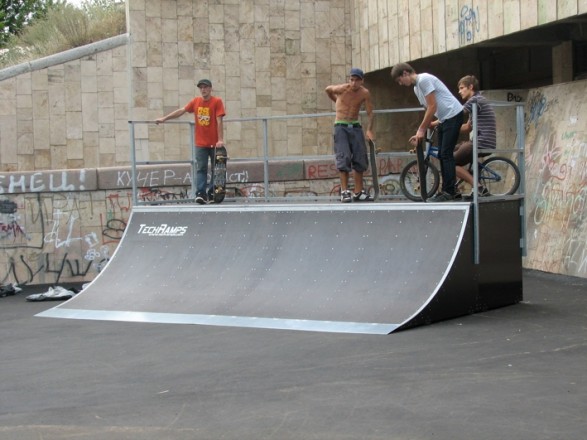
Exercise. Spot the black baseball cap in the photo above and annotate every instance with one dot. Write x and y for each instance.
(205, 82)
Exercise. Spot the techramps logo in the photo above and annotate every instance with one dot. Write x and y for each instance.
(163, 230)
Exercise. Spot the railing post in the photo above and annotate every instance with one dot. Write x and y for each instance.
(266, 158)
(521, 136)
(476, 239)
(133, 161)
(193, 161)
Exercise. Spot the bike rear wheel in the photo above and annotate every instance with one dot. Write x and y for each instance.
(409, 180)
(500, 176)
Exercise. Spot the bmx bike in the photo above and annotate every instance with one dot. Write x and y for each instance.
(500, 175)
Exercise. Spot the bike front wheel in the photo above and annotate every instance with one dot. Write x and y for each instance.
(500, 176)
(409, 180)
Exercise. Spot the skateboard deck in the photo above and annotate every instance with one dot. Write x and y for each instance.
(421, 170)
(219, 184)
(373, 160)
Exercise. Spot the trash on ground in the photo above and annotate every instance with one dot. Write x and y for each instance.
(9, 290)
(57, 293)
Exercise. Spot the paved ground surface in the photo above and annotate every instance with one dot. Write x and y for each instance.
(518, 372)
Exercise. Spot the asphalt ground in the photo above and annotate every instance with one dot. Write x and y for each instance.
(519, 372)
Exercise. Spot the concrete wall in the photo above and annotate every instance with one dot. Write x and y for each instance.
(263, 57)
(392, 31)
(66, 111)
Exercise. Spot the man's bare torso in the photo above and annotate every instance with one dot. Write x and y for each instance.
(348, 101)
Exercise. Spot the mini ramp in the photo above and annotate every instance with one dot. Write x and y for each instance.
(360, 268)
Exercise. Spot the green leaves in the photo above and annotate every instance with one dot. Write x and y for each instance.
(15, 15)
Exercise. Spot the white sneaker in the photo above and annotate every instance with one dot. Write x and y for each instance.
(346, 197)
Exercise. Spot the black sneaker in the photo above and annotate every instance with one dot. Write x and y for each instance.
(201, 199)
(362, 197)
(442, 197)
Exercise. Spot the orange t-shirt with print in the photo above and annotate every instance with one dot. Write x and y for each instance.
(205, 115)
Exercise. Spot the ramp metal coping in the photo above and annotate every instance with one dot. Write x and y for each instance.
(223, 321)
(363, 206)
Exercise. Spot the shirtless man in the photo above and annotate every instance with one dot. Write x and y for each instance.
(349, 140)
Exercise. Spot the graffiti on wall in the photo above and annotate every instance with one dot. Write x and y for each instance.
(48, 238)
(468, 24)
(41, 182)
(11, 229)
(556, 194)
(168, 177)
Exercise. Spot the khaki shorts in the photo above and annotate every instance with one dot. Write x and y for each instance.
(464, 153)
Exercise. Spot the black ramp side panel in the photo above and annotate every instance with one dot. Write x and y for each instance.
(361, 268)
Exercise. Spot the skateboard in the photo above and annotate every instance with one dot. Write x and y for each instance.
(219, 165)
(421, 170)
(373, 160)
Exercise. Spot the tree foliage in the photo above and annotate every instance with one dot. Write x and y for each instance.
(15, 15)
(62, 26)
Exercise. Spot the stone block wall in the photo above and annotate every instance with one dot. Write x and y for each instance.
(66, 115)
(392, 31)
(264, 58)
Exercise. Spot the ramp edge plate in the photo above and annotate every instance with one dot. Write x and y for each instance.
(362, 206)
(226, 321)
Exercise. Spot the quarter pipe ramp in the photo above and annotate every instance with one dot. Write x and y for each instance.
(363, 268)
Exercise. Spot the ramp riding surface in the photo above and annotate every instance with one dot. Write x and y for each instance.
(365, 268)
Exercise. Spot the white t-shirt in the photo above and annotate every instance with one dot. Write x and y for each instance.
(447, 106)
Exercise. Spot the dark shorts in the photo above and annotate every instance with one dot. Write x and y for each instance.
(349, 149)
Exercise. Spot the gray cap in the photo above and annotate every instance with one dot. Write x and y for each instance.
(205, 82)
(355, 71)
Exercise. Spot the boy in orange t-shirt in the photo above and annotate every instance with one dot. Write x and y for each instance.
(208, 113)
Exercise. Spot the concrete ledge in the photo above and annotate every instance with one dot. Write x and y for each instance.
(240, 171)
(65, 56)
(179, 174)
(147, 176)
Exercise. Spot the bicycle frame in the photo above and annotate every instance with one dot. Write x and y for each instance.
(433, 151)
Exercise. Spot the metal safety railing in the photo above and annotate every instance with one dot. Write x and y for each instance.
(265, 157)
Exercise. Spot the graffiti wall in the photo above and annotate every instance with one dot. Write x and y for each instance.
(556, 179)
(63, 226)
(48, 238)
